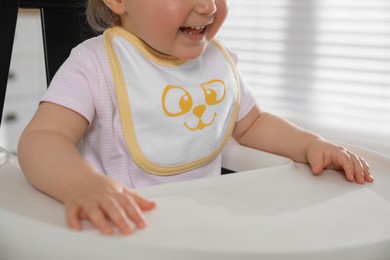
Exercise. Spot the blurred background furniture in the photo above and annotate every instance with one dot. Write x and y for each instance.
(8, 17)
(47, 31)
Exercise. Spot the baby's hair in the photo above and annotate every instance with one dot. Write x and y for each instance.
(99, 16)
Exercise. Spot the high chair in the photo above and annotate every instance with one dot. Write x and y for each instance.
(272, 208)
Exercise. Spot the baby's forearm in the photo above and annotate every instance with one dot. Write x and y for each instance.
(53, 165)
(273, 134)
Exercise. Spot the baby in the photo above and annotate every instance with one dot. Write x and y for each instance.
(152, 100)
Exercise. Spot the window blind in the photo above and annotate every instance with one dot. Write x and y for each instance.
(322, 64)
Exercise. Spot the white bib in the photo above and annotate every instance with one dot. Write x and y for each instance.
(176, 115)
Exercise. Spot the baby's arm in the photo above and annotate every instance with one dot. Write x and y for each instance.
(272, 134)
(50, 160)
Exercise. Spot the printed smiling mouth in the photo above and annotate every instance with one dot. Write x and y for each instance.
(193, 30)
(201, 125)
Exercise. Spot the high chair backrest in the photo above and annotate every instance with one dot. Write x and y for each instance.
(63, 27)
(8, 16)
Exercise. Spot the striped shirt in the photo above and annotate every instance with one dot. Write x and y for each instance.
(84, 84)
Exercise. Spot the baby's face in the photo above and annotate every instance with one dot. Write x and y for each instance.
(179, 28)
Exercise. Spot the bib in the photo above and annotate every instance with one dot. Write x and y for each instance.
(176, 115)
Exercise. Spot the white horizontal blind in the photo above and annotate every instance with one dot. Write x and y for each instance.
(323, 64)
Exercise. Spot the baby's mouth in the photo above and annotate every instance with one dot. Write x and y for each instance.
(196, 30)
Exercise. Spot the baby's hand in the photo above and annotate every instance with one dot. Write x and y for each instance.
(108, 208)
(321, 154)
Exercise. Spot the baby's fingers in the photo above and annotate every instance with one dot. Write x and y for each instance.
(368, 176)
(358, 169)
(126, 208)
(353, 168)
(73, 216)
(116, 213)
(89, 211)
(143, 203)
(133, 211)
(98, 218)
(365, 172)
(134, 206)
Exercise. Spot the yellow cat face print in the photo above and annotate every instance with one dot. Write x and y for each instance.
(178, 101)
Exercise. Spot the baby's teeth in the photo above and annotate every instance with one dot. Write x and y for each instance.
(198, 27)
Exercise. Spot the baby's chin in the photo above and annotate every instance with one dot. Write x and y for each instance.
(191, 54)
(189, 57)
(182, 52)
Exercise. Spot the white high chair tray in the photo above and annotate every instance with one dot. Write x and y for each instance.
(279, 211)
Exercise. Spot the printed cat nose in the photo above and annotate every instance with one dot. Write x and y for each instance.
(199, 110)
